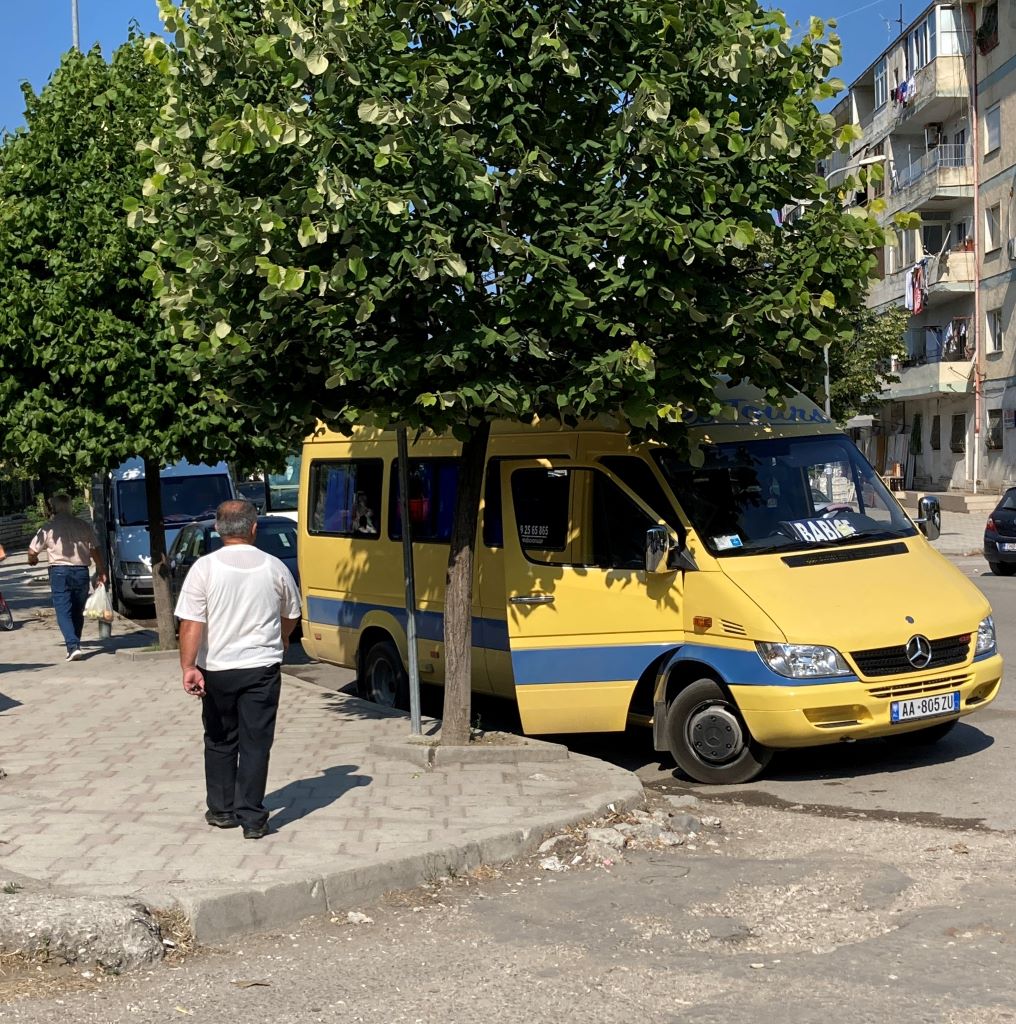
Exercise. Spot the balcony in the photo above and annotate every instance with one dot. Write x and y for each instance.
(948, 275)
(940, 87)
(943, 172)
(938, 362)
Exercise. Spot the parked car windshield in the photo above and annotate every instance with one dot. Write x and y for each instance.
(283, 488)
(783, 494)
(183, 498)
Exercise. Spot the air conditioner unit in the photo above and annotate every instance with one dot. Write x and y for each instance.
(1010, 248)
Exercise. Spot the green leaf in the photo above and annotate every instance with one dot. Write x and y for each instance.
(292, 279)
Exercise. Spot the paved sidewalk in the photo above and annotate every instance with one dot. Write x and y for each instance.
(104, 791)
(962, 533)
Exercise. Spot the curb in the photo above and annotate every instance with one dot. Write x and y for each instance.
(426, 753)
(218, 915)
(131, 655)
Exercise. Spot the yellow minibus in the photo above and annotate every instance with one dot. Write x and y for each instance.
(766, 592)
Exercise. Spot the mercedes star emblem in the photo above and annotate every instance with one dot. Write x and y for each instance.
(919, 651)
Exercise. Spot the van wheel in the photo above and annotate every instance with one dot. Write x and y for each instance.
(708, 738)
(384, 679)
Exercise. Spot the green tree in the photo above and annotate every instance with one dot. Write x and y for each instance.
(87, 375)
(860, 363)
(440, 214)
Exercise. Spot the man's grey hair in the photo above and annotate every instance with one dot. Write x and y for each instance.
(235, 518)
(60, 504)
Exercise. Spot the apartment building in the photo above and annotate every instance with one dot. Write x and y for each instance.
(937, 109)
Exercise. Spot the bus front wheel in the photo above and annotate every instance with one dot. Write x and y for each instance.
(384, 679)
(708, 738)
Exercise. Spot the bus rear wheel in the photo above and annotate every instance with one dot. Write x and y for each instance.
(708, 738)
(384, 679)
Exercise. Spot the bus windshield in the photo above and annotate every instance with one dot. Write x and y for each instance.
(783, 494)
(183, 498)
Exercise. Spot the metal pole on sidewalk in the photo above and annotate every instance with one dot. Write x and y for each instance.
(75, 34)
(410, 576)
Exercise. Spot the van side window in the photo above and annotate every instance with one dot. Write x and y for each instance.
(345, 498)
(493, 527)
(433, 485)
(634, 472)
(578, 517)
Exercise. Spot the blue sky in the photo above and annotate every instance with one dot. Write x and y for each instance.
(36, 33)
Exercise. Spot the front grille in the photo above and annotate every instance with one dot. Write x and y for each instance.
(893, 661)
(919, 688)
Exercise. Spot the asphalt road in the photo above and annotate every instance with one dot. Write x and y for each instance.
(968, 778)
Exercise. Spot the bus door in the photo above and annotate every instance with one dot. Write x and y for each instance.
(585, 619)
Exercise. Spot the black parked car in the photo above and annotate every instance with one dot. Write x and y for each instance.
(276, 535)
(1000, 536)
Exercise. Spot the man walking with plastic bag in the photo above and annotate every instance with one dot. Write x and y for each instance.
(237, 608)
(70, 545)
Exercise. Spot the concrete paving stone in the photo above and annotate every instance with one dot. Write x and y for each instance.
(111, 801)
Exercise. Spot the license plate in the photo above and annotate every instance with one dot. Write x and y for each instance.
(1007, 547)
(924, 707)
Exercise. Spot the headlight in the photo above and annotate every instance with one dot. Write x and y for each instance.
(803, 661)
(985, 636)
(134, 569)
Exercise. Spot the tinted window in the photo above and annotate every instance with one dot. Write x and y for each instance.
(634, 472)
(433, 485)
(345, 498)
(1008, 502)
(578, 517)
(493, 527)
(183, 498)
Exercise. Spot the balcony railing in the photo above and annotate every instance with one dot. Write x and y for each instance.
(938, 343)
(946, 155)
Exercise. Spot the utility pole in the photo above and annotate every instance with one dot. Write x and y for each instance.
(75, 35)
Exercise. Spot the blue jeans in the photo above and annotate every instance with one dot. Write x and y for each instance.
(69, 584)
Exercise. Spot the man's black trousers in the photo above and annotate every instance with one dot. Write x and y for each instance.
(238, 712)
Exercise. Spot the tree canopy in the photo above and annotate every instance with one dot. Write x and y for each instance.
(87, 373)
(440, 214)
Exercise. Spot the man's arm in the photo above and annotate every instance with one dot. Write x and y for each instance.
(191, 633)
(100, 564)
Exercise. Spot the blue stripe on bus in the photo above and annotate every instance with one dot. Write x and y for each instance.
(585, 664)
(331, 611)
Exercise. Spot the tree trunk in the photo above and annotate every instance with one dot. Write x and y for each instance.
(458, 618)
(160, 564)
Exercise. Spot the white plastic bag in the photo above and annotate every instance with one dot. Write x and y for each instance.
(98, 606)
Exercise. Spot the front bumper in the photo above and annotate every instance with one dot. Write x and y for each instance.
(137, 588)
(805, 716)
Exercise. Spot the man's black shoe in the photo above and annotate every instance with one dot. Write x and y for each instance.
(221, 820)
(255, 831)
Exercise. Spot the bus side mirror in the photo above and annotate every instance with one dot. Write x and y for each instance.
(657, 549)
(929, 516)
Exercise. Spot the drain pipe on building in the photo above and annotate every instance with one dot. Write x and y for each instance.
(976, 226)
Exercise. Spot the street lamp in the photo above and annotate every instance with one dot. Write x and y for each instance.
(75, 35)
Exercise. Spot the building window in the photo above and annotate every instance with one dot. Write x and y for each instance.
(922, 45)
(958, 435)
(993, 128)
(993, 227)
(932, 239)
(881, 85)
(987, 33)
(936, 433)
(994, 330)
(345, 498)
(993, 438)
(962, 235)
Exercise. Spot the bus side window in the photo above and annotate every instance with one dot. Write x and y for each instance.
(433, 485)
(345, 498)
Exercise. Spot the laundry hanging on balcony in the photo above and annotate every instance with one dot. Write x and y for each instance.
(903, 94)
(915, 296)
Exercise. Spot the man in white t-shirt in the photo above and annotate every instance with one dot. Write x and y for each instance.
(237, 608)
